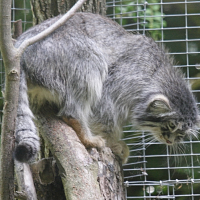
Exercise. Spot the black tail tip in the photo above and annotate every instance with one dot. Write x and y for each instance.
(24, 153)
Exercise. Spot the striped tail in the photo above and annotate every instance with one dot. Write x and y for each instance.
(26, 134)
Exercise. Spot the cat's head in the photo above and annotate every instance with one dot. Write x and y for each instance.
(169, 122)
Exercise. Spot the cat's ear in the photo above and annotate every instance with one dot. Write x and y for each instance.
(158, 104)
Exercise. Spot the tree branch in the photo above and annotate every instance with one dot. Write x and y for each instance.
(52, 28)
(21, 195)
(78, 171)
(25, 182)
(86, 174)
(12, 68)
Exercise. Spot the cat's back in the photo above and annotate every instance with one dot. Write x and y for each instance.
(93, 30)
(93, 26)
(118, 48)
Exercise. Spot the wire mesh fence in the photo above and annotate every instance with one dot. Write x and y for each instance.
(155, 171)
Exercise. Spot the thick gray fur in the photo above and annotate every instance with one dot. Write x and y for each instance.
(97, 73)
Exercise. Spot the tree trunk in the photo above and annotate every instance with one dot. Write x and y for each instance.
(44, 9)
(81, 170)
(12, 68)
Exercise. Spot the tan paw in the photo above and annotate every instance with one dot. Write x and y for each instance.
(120, 149)
(87, 139)
(94, 141)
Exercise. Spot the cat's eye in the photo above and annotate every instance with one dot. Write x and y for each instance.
(171, 125)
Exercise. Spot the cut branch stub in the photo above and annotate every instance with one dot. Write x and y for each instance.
(13, 75)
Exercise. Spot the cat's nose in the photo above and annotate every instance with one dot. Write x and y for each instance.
(168, 141)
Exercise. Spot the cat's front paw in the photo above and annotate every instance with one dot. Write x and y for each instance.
(94, 141)
(121, 150)
(86, 137)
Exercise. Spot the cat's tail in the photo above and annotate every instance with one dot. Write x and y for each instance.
(27, 140)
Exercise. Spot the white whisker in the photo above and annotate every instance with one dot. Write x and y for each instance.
(194, 133)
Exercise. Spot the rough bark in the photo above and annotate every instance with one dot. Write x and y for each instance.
(11, 63)
(86, 174)
(26, 189)
(44, 9)
(47, 180)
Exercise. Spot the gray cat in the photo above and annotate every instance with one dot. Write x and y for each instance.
(100, 78)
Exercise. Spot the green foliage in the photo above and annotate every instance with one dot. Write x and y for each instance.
(155, 22)
(145, 16)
